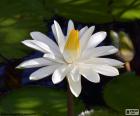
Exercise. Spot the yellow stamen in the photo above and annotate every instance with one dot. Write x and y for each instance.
(73, 43)
(72, 46)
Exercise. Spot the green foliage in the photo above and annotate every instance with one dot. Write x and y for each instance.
(123, 92)
(97, 11)
(101, 111)
(39, 101)
(19, 17)
(82, 10)
(12, 32)
(126, 10)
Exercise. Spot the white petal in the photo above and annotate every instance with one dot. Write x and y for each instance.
(96, 39)
(60, 36)
(37, 62)
(75, 74)
(70, 27)
(106, 61)
(43, 72)
(106, 70)
(82, 31)
(54, 31)
(59, 74)
(54, 58)
(99, 51)
(85, 37)
(75, 86)
(32, 44)
(45, 39)
(90, 74)
(38, 46)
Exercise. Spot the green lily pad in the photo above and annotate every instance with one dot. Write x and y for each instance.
(123, 92)
(37, 101)
(17, 19)
(88, 11)
(102, 111)
(96, 11)
(126, 10)
(13, 31)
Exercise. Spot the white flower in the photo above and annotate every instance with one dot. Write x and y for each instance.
(76, 54)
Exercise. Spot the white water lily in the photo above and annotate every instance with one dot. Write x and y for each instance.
(76, 54)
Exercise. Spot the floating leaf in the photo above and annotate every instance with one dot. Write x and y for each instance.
(96, 11)
(92, 11)
(123, 92)
(126, 10)
(38, 101)
(102, 111)
(17, 19)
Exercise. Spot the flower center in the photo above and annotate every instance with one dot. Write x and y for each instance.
(72, 47)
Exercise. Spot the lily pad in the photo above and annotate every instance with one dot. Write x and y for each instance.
(12, 32)
(96, 11)
(123, 92)
(17, 19)
(102, 111)
(37, 101)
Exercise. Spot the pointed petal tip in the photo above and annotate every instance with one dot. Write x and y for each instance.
(33, 78)
(114, 49)
(24, 42)
(55, 22)
(76, 94)
(93, 27)
(97, 81)
(55, 81)
(105, 33)
(116, 73)
(19, 67)
(33, 32)
(70, 21)
(122, 64)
